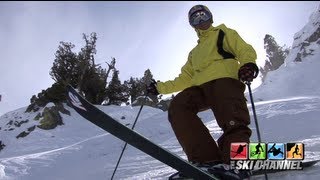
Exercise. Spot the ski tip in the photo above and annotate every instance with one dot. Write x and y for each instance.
(75, 99)
(69, 87)
(69, 91)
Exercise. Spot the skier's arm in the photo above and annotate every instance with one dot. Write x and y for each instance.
(181, 82)
(243, 52)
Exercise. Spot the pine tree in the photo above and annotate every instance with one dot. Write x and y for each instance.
(147, 77)
(80, 69)
(133, 88)
(64, 65)
(145, 81)
(115, 91)
(86, 61)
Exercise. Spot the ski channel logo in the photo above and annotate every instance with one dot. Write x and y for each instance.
(266, 156)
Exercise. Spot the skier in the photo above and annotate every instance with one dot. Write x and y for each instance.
(275, 151)
(296, 151)
(212, 78)
(259, 148)
(239, 150)
(258, 151)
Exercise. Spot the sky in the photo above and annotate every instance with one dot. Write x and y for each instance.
(140, 35)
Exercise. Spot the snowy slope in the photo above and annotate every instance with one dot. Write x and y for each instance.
(79, 150)
(297, 78)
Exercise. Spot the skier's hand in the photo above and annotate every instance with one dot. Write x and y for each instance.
(152, 88)
(248, 72)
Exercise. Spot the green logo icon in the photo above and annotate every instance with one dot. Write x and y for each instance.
(257, 151)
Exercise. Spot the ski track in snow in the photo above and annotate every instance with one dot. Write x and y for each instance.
(19, 164)
(275, 107)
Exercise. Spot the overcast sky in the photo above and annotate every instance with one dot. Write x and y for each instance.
(140, 35)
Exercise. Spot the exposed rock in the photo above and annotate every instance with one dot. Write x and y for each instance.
(23, 134)
(38, 116)
(1, 145)
(18, 124)
(10, 123)
(26, 133)
(32, 128)
(51, 118)
(10, 129)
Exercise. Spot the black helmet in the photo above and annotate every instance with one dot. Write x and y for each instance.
(197, 19)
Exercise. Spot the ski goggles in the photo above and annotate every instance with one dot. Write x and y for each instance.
(199, 17)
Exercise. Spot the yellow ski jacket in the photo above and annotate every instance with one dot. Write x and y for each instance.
(206, 64)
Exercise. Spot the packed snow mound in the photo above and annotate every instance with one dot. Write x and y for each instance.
(300, 74)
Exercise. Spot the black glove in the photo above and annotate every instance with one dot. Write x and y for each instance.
(248, 72)
(152, 88)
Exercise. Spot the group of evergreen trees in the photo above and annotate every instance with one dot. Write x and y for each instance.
(91, 79)
(275, 55)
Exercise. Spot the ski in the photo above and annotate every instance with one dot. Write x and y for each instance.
(107, 123)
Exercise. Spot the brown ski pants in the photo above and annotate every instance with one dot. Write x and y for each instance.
(225, 97)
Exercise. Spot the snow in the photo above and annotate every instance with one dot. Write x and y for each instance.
(287, 106)
(292, 80)
(296, 78)
(80, 150)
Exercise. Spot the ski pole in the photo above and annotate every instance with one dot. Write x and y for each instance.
(254, 111)
(135, 121)
(255, 117)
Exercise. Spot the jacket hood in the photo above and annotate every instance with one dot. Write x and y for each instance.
(204, 33)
